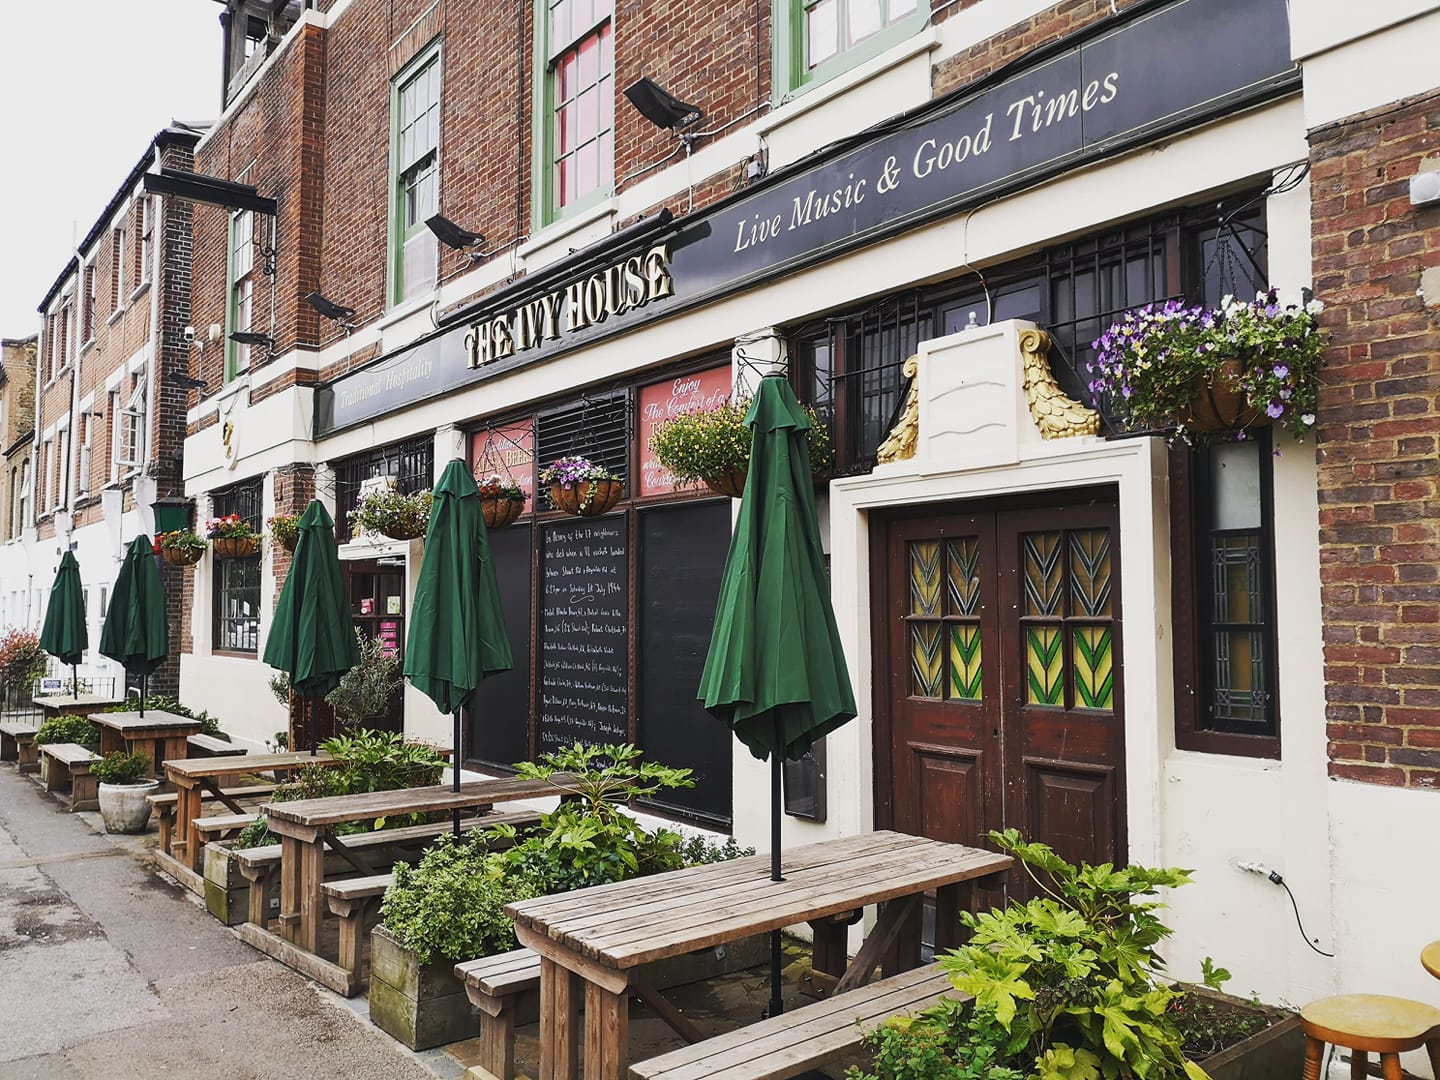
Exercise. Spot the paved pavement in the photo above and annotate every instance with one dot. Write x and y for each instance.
(109, 971)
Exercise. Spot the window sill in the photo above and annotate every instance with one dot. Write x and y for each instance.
(563, 228)
(235, 654)
(402, 311)
(240, 382)
(140, 291)
(114, 316)
(812, 95)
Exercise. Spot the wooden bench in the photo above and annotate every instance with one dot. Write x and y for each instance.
(210, 746)
(803, 1039)
(221, 826)
(68, 769)
(494, 985)
(163, 807)
(17, 744)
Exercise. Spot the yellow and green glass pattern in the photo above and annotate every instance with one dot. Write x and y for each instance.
(1090, 572)
(964, 576)
(1094, 679)
(927, 659)
(965, 662)
(1043, 573)
(1044, 665)
(926, 583)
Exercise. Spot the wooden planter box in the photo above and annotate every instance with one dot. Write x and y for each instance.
(426, 1006)
(227, 892)
(1277, 1053)
(48, 763)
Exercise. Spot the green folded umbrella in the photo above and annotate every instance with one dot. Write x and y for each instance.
(312, 638)
(457, 631)
(135, 631)
(775, 672)
(64, 635)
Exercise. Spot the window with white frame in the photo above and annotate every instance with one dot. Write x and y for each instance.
(25, 493)
(415, 158)
(62, 467)
(87, 297)
(117, 267)
(242, 290)
(578, 112)
(816, 39)
(129, 428)
(147, 236)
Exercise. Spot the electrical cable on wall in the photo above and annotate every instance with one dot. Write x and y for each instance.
(1275, 878)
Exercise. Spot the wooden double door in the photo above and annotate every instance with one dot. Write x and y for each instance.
(998, 677)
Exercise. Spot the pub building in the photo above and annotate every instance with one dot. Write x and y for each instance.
(925, 240)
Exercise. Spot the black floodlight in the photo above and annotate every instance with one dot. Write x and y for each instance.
(179, 378)
(453, 236)
(251, 337)
(331, 310)
(659, 107)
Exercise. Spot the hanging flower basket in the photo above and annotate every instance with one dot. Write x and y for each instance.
(400, 517)
(1204, 371)
(285, 530)
(182, 556)
(731, 482)
(499, 513)
(180, 547)
(501, 500)
(587, 498)
(235, 547)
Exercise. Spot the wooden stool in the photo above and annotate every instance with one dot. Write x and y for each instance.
(1369, 1023)
(1430, 958)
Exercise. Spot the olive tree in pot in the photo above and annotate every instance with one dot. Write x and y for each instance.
(124, 782)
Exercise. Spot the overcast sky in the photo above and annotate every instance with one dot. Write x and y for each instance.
(84, 86)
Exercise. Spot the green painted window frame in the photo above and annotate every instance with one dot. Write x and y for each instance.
(543, 205)
(788, 48)
(233, 278)
(397, 233)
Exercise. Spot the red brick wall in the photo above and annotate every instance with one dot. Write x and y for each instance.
(1379, 425)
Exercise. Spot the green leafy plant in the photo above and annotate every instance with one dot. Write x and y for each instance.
(702, 850)
(1066, 986)
(366, 690)
(67, 729)
(452, 903)
(230, 527)
(121, 767)
(1148, 364)
(392, 514)
(209, 725)
(706, 444)
(22, 661)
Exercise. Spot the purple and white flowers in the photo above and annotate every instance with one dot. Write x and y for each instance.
(569, 471)
(1149, 363)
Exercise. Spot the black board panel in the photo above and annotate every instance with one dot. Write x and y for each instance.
(500, 718)
(584, 632)
(682, 558)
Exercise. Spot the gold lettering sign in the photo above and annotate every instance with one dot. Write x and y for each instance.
(620, 287)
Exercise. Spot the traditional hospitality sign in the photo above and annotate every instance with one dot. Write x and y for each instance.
(1162, 71)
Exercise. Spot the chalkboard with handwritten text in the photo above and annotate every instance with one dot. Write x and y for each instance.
(584, 633)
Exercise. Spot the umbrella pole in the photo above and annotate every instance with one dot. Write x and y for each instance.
(455, 769)
(75, 682)
(144, 686)
(309, 723)
(777, 798)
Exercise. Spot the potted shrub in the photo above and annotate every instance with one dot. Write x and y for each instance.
(22, 661)
(181, 547)
(1203, 371)
(501, 500)
(232, 537)
(125, 782)
(65, 729)
(713, 446)
(400, 517)
(284, 530)
(579, 486)
(1066, 984)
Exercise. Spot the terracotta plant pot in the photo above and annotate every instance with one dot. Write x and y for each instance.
(589, 498)
(499, 513)
(1219, 404)
(731, 483)
(182, 556)
(231, 547)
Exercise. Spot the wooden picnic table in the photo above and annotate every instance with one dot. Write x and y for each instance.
(600, 935)
(307, 826)
(71, 704)
(194, 777)
(160, 734)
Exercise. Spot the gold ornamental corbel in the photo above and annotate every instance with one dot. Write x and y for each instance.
(900, 444)
(1057, 415)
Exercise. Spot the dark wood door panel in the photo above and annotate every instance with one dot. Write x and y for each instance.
(947, 800)
(1071, 808)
